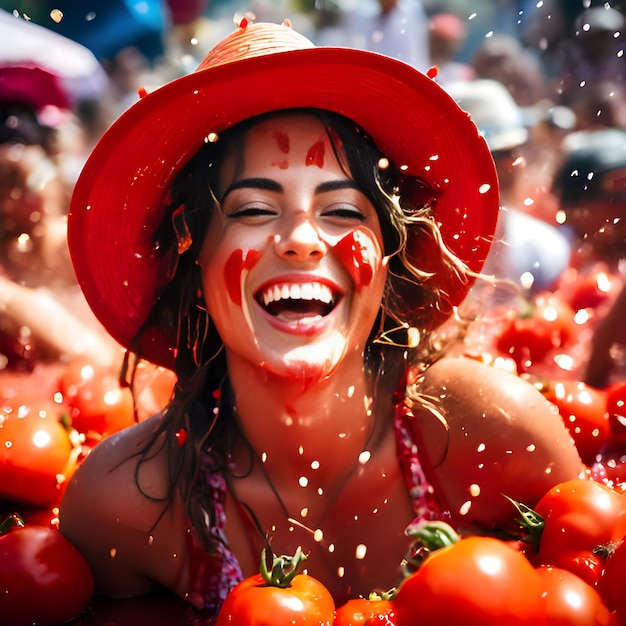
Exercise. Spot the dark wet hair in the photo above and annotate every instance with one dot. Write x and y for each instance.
(202, 404)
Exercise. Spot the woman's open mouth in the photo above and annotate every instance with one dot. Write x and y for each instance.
(298, 301)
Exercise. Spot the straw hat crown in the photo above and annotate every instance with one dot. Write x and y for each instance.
(253, 40)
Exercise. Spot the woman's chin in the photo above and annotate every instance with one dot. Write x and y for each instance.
(311, 363)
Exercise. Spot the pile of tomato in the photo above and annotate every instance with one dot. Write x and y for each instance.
(50, 419)
(564, 564)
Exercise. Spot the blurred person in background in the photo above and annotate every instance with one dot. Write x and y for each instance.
(503, 58)
(590, 55)
(527, 250)
(591, 187)
(42, 312)
(603, 106)
(447, 34)
(396, 28)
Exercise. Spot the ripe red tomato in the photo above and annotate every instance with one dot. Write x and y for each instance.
(611, 584)
(547, 323)
(254, 603)
(527, 341)
(616, 409)
(36, 453)
(283, 598)
(39, 385)
(591, 289)
(477, 581)
(579, 515)
(560, 316)
(43, 578)
(584, 411)
(365, 612)
(570, 601)
(99, 405)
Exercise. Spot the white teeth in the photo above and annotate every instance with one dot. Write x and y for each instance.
(305, 291)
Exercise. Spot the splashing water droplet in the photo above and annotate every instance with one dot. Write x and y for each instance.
(465, 507)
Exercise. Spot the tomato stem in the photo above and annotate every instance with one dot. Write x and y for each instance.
(384, 595)
(530, 522)
(432, 534)
(10, 522)
(284, 568)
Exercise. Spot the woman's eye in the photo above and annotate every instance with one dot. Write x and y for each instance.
(345, 213)
(251, 212)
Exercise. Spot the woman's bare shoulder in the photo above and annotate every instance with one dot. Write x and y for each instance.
(482, 432)
(110, 476)
(112, 507)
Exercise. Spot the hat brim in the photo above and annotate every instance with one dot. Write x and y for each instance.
(118, 200)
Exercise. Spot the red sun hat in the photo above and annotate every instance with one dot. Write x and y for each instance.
(120, 197)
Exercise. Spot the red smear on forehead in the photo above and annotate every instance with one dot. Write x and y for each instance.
(282, 141)
(351, 253)
(316, 153)
(235, 267)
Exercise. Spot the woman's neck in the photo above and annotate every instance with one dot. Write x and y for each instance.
(323, 425)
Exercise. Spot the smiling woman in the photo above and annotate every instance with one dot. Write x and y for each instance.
(292, 264)
(291, 228)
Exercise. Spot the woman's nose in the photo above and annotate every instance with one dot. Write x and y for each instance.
(300, 240)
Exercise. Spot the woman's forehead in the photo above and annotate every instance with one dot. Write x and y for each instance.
(281, 141)
(281, 129)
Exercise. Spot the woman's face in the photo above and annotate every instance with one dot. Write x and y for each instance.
(293, 268)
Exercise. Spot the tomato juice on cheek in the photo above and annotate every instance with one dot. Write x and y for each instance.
(238, 262)
(355, 255)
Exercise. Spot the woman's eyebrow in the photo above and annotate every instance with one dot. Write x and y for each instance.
(253, 183)
(335, 185)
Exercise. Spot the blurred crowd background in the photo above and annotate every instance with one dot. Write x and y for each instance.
(542, 79)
